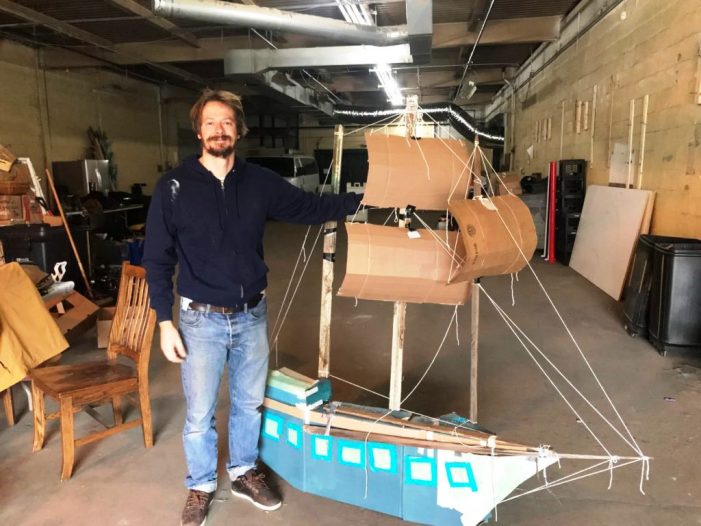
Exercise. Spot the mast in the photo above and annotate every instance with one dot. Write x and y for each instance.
(330, 228)
(475, 307)
(398, 327)
(399, 314)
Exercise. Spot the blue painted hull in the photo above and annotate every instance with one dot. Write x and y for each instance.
(388, 478)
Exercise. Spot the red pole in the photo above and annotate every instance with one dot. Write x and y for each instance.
(551, 212)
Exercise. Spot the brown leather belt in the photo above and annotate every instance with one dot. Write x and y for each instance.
(206, 307)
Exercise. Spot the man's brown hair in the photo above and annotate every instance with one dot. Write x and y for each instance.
(226, 97)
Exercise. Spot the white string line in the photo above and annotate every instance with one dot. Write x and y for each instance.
(393, 118)
(488, 164)
(516, 330)
(287, 290)
(358, 386)
(435, 356)
(299, 282)
(294, 271)
(393, 211)
(441, 242)
(510, 324)
(569, 332)
(560, 482)
(302, 250)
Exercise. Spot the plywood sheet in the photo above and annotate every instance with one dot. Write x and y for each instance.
(498, 234)
(612, 219)
(421, 172)
(385, 264)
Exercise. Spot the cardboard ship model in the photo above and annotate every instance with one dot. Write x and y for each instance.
(440, 471)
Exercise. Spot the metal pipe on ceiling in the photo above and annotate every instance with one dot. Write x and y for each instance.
(216, 11)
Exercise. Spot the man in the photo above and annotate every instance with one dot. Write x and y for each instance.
(208, 215)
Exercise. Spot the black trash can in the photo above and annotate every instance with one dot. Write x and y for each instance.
(637, 292)
(674, 320)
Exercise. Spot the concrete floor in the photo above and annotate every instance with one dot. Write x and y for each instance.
(118, 482)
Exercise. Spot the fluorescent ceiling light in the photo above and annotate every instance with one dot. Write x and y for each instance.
(360, 14)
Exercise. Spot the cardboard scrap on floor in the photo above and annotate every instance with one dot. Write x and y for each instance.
(385, 264)
(611, 221)
(28, 335)
(72, 311)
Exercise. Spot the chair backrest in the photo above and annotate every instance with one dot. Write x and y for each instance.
(134, 319)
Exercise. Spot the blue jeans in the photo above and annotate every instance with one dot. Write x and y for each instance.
(213, 342)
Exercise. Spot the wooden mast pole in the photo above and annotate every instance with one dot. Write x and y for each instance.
(329, 258)
(399, 314)
(475, 308)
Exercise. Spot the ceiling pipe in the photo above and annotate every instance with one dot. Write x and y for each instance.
(219, 12)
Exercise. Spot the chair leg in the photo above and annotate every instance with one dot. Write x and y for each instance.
(145, 406)
(67, 442)
(117, 410)
(9, 407)
(39, 417)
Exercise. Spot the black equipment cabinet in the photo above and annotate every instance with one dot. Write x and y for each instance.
(569, 200)
(45, 246)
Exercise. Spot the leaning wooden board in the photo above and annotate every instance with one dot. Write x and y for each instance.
(611, 221)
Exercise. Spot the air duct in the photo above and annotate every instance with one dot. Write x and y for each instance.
(219, 12)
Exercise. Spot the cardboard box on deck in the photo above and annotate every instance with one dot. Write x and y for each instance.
(104, 323)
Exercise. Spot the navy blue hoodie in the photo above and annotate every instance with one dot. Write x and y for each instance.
(215, 230)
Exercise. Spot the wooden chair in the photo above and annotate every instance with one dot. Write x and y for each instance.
(82, 386)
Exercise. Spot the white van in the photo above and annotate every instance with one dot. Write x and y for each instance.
(300, 170)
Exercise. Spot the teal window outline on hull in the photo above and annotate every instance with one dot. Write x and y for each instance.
(347, 445)
(391, 449)
(316, 439)
(296, 431)
(270, 419)
(409, 478)
(469, 475)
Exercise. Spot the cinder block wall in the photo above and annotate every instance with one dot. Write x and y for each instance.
(642, 47)
(45, 114)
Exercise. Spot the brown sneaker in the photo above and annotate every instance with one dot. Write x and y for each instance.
(196, 508)
(252, 486)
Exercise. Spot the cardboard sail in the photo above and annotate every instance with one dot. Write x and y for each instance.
(385, 264)
(425, 172)
(497, 233)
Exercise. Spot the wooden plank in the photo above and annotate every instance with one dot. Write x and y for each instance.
(353, 424)
(427, 444)
(328, 262)
(395, 381)
(107, 432)
(608, 231)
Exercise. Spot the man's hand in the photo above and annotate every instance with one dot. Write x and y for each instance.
(171, 343)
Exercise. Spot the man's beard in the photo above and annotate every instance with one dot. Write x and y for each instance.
(218, 152)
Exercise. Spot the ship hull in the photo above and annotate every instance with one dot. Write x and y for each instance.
(431, 486)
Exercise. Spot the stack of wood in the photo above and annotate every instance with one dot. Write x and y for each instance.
(17, 200)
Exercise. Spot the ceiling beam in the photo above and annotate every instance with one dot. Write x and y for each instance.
(102, 44)
(131, 6)
(63, 28)
(507, 31)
